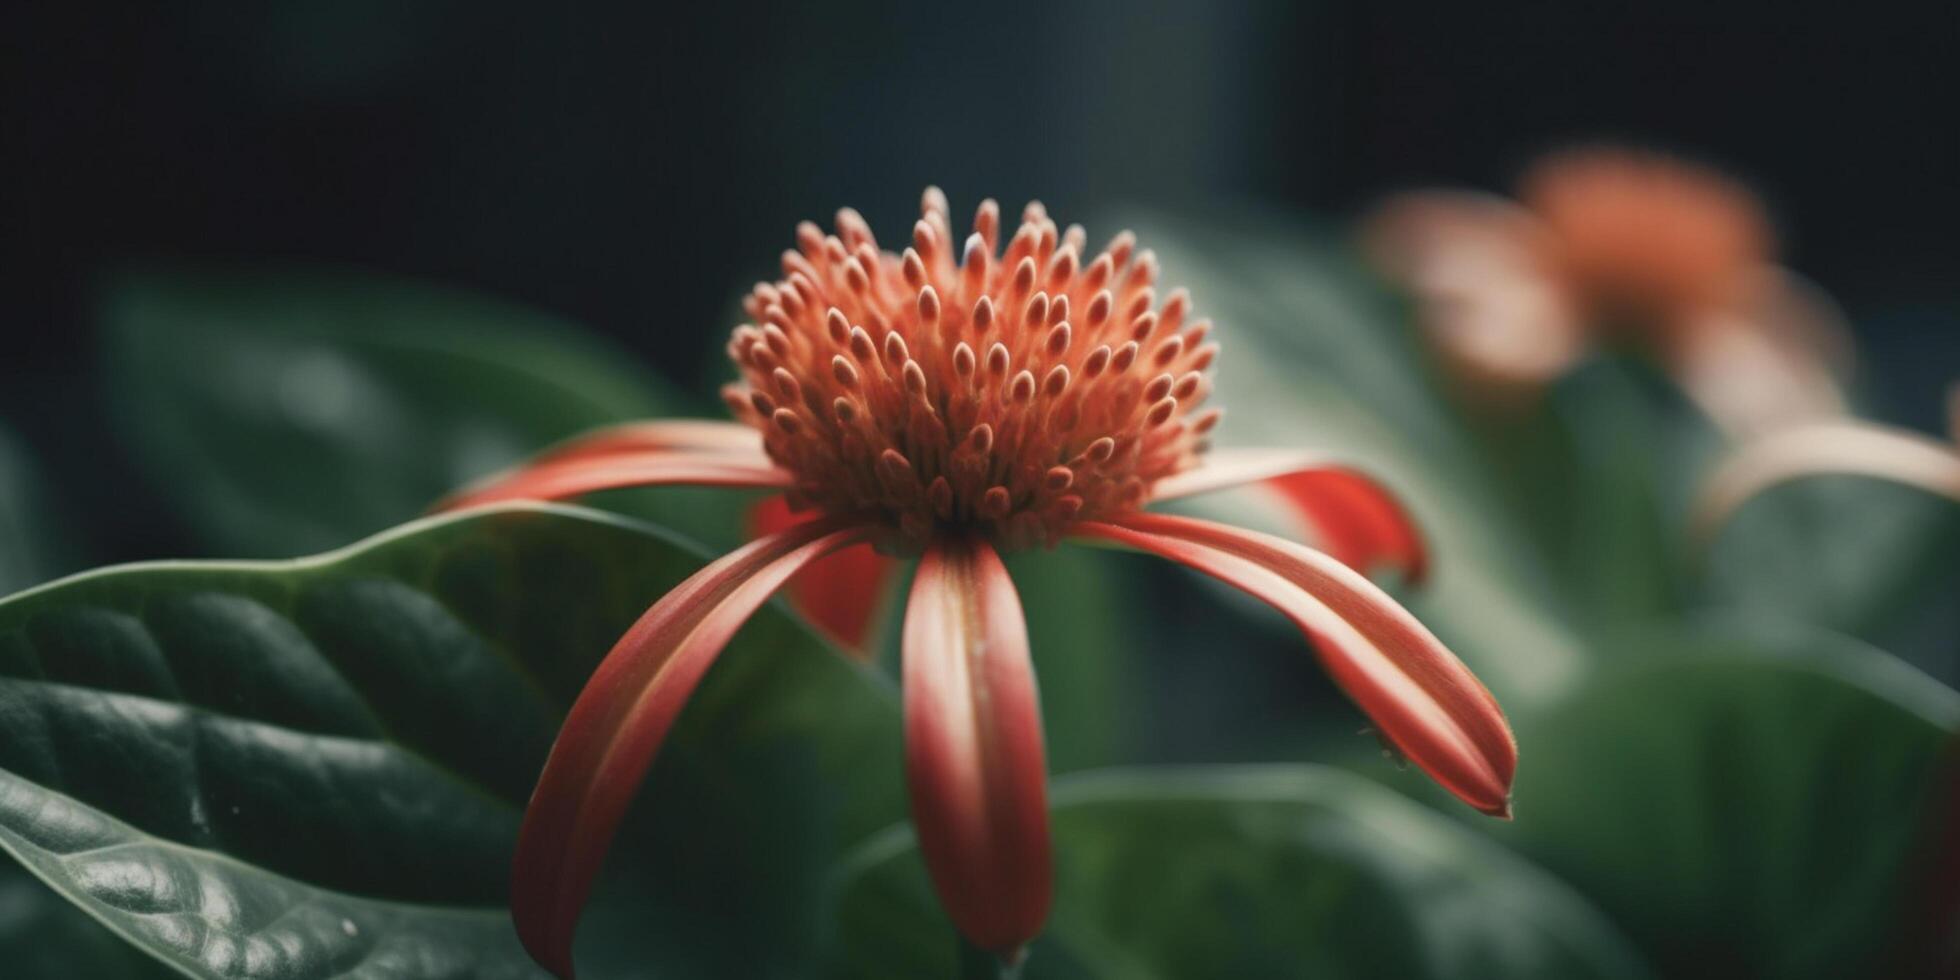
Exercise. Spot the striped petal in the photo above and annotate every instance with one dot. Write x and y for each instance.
(1344, 512)
(973, 747)
(690, 435)
(1422, 698)
(620, 719)
(840, 593)
(558, 480)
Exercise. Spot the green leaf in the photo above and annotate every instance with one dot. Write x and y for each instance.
(1855, 555)
(1606, 494)
(1748, 806)
(290, 412)
(44, 937)
(295, 769)
(1079, 611)
(1272, 871)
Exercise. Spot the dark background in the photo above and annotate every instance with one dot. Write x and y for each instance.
(632, 166)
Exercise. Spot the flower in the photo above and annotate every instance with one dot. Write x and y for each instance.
(948, 406)
(1636, 249)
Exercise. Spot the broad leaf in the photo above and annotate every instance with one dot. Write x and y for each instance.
(286, 413)
(1852, 554)
(1280, 871)
(300, 768)
(45, 937)
(1751, 805)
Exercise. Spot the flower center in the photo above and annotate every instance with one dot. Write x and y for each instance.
(1011, 392)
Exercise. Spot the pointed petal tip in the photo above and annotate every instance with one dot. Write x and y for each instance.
(553, 955)
(1502, 811)
(1424, 702)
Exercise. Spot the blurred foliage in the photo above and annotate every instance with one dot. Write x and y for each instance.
(1863, 557)
(1745, 800)
(287, 413)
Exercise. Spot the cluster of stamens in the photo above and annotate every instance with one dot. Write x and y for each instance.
(1011, 391)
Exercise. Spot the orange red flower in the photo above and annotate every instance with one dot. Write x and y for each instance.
(947, 403)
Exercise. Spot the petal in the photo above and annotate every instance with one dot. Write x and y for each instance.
(1346, 512)
(1826, 448)
(840, 593)
(1477, 264)
(556, 480)
(694, 435)
(619, 720)
(973, 747)
(1423, 699)
(1748, 379)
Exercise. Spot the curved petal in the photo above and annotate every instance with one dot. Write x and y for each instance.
(1423, 699)
(693, 435)
(619, 721)
(1346, 512)
(839, 593)
(578, 476)
(1844, 448)
(973, 747)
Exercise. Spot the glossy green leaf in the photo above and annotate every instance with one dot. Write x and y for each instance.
(45, 937)
(1751, 804)
(287, 413)
(1272, 872)
(297, 769)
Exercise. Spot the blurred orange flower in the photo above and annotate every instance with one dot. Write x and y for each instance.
(1619, 247)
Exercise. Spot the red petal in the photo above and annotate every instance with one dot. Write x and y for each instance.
(578, 476)
(693, 435)
(973, 747)
(1425, 701)
(1347, 513)
(840, 593)
(619, 721)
